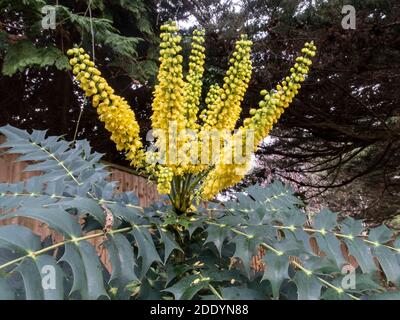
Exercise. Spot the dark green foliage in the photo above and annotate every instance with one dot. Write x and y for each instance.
(39, 48)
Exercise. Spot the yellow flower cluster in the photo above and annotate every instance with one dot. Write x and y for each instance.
(175, 107)
(164, 178)
(274, 103)
(113, 110)
(225, 173)
(212, 96)
(205, 143)
(194, 79)
(169, 101)
(223, 111)
(169, 104)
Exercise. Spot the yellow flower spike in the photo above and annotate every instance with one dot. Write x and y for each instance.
(270, 109)
(96, 87)
(224, 111)
(194, 82)
(171, 105)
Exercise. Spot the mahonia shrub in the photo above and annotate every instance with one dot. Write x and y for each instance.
(256, 244)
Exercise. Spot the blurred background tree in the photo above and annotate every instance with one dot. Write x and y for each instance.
(36, 87)
(338, 145)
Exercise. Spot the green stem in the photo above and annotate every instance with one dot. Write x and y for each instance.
(323, 232)
(216, 293)
(60, 244)
(60, 163)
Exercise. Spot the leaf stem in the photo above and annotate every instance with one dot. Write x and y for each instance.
(60, 244)
(295, 263)
(60, 163)
(216, 293)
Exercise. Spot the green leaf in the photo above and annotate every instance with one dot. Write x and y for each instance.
(276, 271)
(52, 277)
(104, 30)
(389, 262)
(185, 289)
(146, 248)
(42, 277)
(332, 294)
(386, 296)
(359, 250)
(32, 280)
(174, 271)
(22, 239)
(86, 270)
(169, 243)
(244, 250)
(85, 205)
(122, 259)
(381, 234)
(6, 292)
(352, 227)
(217, 236)
(325, 219)
(25, 54)
(238, 293)
(308, 287)
(57, 219)
(330, 245)
(303, 238)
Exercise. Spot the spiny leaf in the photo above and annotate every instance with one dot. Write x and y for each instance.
(32, 280)
(146, 247)
(359, 250)
(186, 288)
(85, 205)
(276, 271)
(43, 278)
(52, 277)
(308, 287)
(389, 262)
(22, 239)
(325, 219)
(169, 243)
(238, 293)
(86, 270)
(381, 234)
(122, 259)
(175, 270)
(330, 245)
(245, 249)
(352, 227)
(57, 219)
(217, 236)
